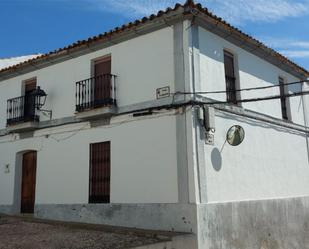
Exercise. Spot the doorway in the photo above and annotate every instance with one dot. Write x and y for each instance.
(28, 184)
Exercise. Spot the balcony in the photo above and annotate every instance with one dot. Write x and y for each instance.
(21, 113)
(96, 97)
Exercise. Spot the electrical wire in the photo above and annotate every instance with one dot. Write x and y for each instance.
(193, 103)
(263, 98)
(243, 89)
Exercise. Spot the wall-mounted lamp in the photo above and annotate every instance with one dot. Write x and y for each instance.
(40, 97)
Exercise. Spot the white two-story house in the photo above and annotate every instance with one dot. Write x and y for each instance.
(132, 128)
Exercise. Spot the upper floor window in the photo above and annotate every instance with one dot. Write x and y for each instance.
(284, 99)
(230, 79)
(99, 90)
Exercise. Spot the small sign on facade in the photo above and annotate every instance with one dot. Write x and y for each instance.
(7, 169)
(163, 92)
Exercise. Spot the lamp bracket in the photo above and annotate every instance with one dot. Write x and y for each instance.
(49, 112)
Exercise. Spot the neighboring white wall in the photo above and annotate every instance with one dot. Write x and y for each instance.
(251, 71)
(143, 162)
(272, 162)
(7, 62)
(142, 65)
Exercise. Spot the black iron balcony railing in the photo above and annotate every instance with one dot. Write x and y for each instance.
(96, 92)
(21, 109)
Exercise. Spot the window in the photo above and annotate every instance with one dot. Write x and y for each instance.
(230, 79)
(99, 173)
(283, 98)
(99, 90)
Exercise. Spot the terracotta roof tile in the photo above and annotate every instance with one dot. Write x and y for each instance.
(189, 4)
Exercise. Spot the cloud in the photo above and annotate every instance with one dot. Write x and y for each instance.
(290, 47)
(235, 11)
(131, 8)
(241, 11)
(295, 53)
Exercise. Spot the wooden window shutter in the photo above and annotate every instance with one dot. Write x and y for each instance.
(99, 174)
(230, 79)
(102, 74)
(284, 108)
(29, 102)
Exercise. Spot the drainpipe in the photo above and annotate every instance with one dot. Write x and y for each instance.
(305, 100)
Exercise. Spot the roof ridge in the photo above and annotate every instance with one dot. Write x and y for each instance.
(189, 3)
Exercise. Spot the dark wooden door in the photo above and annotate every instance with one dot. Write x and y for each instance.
(99, 175)
(102, 86)
(29, 105)
(28, 182)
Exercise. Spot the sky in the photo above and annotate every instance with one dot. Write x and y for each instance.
(39, 26)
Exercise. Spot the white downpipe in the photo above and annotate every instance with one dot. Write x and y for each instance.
(305, 100)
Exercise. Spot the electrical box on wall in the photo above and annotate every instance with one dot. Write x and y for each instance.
(206, 115)
(209, 118)
(209, 138)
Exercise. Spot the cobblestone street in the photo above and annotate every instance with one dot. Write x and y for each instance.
(20, 233)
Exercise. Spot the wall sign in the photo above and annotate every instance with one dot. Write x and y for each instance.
(163, 92)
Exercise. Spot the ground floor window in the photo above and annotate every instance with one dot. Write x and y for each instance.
(99, 173)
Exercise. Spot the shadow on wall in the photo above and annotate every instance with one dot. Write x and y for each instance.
(216, 159)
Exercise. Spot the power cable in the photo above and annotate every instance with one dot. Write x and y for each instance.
(263, 98)
(243, 89)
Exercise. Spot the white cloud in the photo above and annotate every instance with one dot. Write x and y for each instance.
(295, 53)
(234, 11)
(131, 8)
(281, 42)
(291, 48)
(240, 11)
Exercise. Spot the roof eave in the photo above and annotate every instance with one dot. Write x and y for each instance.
(157, 23)
(146, 25)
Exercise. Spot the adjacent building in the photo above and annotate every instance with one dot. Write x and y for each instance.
(129, 128)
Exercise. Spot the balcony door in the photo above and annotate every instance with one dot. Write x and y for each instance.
(29, 104)
(102, 81)
(28, 182)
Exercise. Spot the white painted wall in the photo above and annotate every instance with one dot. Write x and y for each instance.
(143, 162)
(144, 165)
(272, 162)
(142, 65)
(251, 71)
